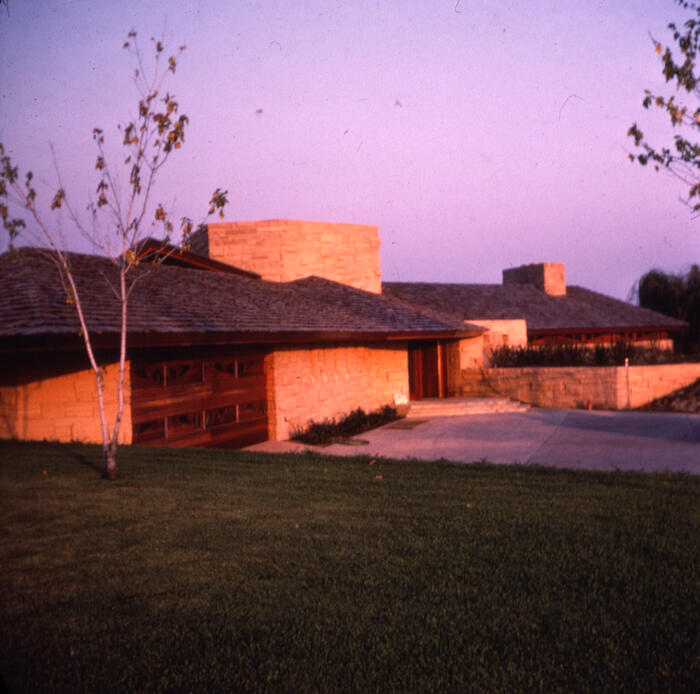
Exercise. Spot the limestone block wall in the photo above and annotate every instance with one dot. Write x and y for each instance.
(661, 345)
(474, 351)
(580, 387)
(38, 404)
(650, 382)
(453, 352)
(320, 381)
(282, 250)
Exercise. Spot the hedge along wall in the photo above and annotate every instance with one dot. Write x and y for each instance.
(57, 400)
(580, 387)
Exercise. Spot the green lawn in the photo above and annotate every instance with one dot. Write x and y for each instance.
(213, 571)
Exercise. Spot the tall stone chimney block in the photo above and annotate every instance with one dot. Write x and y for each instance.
(547, 277)
(282, 250)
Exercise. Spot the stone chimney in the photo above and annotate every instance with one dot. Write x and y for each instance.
(547, 277)
(282, 250)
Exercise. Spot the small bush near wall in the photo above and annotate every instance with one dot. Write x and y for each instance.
(357, 421)
(576, 355)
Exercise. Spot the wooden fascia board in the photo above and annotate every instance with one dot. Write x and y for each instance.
(283, 337)
(542, 332)
(435, 335)
(71, 341)
(150, 247)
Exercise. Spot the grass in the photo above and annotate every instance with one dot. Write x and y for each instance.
(207, 571)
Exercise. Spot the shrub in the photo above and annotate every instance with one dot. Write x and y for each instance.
(578, 355)
(355, 422)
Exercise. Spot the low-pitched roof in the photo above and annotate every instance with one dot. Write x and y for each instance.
(579, 310)
(172, 304)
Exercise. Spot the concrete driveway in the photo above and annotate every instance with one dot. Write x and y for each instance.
(561, 438)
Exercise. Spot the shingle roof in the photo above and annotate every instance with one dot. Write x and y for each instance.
(580, 310)
(168, 300)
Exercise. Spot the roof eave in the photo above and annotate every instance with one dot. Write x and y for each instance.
(607, 329)
(166, 252)
(138, 340)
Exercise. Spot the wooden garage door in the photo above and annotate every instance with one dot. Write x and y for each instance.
(209, 401)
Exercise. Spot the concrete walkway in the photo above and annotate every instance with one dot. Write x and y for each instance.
(561, 438)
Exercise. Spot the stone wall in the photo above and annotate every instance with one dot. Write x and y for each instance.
(580, 387)
(474, 351)
(650, 382)
(453, 353)
(282, 250)
(318, 381)
(58, 404)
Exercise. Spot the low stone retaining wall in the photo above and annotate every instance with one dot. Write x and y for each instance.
(607, 387)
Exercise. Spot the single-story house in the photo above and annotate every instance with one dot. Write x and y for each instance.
(525, 314)
(260, 327)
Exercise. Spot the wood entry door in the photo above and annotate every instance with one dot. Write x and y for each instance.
(427, 374)
(215, 401)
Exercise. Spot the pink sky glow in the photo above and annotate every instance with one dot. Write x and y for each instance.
(476, 135)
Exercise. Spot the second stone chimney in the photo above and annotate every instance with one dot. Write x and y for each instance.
(547, 277)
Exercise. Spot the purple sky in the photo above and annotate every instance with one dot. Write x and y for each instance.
(476, 135)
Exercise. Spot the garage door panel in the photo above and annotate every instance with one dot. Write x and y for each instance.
(233, 436)
(200, 402)
(165, 403)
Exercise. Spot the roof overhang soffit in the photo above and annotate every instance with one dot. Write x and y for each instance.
(71, 341)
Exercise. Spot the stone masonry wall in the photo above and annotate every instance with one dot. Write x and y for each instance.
(61, 407)
(474, 351)
(650, 382)
(453, 351)
(577, 387)
(283, 250)
(317, 381)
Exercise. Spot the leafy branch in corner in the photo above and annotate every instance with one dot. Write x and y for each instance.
(682, 158)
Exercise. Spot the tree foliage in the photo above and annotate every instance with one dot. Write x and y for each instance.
(119, 216)
(677, 296)
(679, 62)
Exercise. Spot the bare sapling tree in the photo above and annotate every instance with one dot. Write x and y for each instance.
(121, 216)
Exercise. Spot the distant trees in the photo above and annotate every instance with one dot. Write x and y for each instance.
(122, 212)
(677, 296)
(682, 159)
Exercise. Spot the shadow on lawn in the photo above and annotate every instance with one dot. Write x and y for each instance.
(78, 457)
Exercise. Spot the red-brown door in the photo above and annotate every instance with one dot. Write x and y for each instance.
(426, 370)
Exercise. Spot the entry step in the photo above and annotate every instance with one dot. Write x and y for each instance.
(453, 407)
